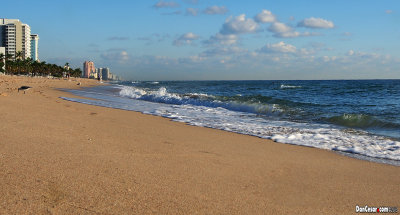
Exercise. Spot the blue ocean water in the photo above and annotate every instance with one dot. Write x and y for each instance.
(360, 117)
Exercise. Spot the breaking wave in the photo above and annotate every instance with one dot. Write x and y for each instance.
(361, 121)
(236, 103)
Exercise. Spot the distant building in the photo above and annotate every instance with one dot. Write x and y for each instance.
(104, 73)
(15, 37)
(35, 47)
(89, 71)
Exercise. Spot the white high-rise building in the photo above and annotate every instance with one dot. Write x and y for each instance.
(26, 41)
(15, 36)
(35, 47)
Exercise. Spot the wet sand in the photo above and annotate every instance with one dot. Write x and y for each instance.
(61, 157)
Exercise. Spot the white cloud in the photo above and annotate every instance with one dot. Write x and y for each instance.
(223, 51)
(186, 39)
(239, 25)
(191, 11)
(278, 27)
(166, 4)
(265, 16)
(115, 55)
(215, 10)
(316, 23)
(283, 31)
(326, 59)
(222, 39)
(290, 34)
(280, 47)
(362, 55)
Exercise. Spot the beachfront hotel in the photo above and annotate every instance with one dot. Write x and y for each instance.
(26, 41)
(89, 71)
(15, 36)
(35, 47)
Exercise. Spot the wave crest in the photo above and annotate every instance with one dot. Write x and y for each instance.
(289, 86)
(360, 121)
(200, 99)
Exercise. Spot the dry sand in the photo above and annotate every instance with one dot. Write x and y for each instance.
(60, 157)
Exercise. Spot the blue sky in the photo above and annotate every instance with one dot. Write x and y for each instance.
(229, 40)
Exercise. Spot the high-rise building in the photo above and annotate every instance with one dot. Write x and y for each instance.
(15, 37)
(35, 47)
(105, 73)
(26, 41)
(89, 70)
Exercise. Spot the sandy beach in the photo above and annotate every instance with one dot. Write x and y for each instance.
(61, 157)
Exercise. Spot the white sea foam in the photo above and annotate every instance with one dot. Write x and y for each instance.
(321, 136)
(283, 86)
(198, 99)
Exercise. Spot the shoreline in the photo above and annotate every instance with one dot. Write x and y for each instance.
(89, 96)
(70, 158)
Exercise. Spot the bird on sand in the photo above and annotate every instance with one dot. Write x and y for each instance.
(24, 88)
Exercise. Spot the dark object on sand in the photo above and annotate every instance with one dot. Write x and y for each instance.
(24, 88)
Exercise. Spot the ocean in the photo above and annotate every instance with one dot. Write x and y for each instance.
(357, 118)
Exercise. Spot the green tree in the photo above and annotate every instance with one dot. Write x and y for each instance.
(8, 58)
(76, 73)
(2, 62)
(19, 55)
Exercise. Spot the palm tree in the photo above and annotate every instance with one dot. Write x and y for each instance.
(76, 73)
(35, 68)
(18, 62)
(19, 55)
(8, 56)
(66, 72)
(27, 66)
(44, 68)
(9, 67)
(2, 62)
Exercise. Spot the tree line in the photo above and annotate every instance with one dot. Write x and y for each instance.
(21, 66)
